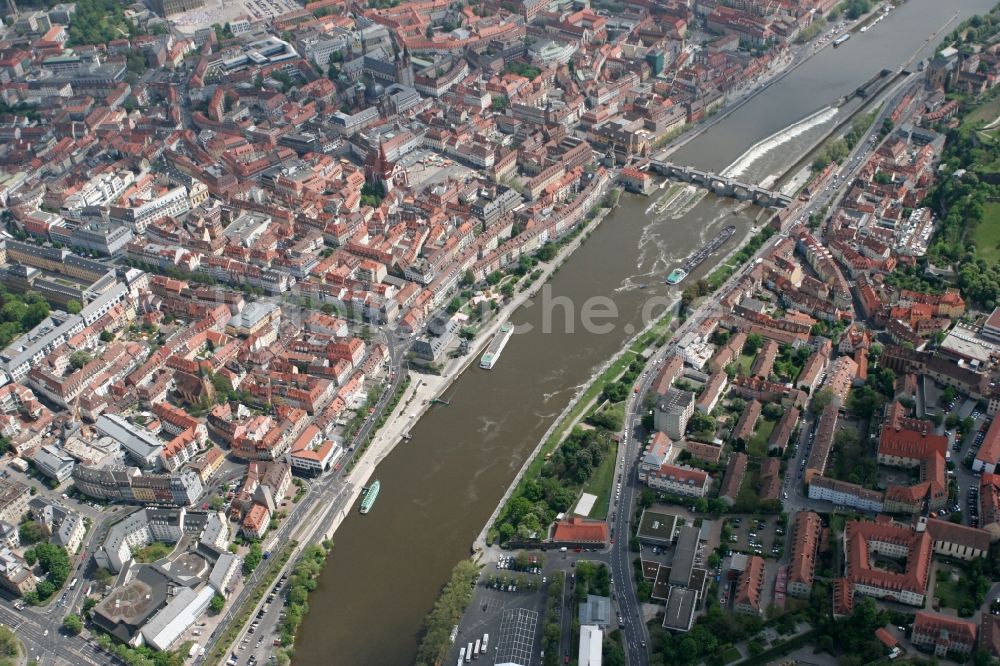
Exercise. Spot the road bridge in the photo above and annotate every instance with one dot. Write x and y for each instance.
(723, 186)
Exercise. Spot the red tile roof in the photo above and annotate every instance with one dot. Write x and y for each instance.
(939, 628)
(750, 584)
(911, 444)
(701, 451)
(886, 638)
(862, 535)
(989, 452)
(962, 535)
(989, 498)
(578, 530)
(843, 597)
(989, 634)
(735, 471)
(805, 542)
(683, 474)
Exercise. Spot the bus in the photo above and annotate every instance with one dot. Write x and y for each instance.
(72, 584)
(475, 650)
(486, 642)
(468, 653)
(461, 656)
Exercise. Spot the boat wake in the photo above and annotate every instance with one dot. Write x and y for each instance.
(655, 241)
(779, 138)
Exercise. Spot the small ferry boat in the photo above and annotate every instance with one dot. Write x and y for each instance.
(371, 492)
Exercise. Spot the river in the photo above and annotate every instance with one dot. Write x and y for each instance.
(439, 488)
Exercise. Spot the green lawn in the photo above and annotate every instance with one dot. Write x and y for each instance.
(984, 115)
(987, 234)
(748, 498)
(153, 552)
(602, 480)
(720, 275)
(731, 655)
(955, 594)
(650, 336)
(745, 363)
(758, 443)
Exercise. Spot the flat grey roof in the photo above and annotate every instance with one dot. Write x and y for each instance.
(684, 552)
(656, 526)
(680, 608)
(138, 442)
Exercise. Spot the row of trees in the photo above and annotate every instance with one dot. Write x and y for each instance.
(592, 578)
(539, 499)
(582, 451)
(523, 69)
(712, 632)
(833, 150)
(300, 584)
(552, 630)
(618, 390)
(854, 9)
(372, 194)
(975, 28)
(31, 532)
(73, 624)
(850, 639)
(224, 391)
(446, 613)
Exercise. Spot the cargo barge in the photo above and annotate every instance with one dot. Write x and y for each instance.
(696, 258)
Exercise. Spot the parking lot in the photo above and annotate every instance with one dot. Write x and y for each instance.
(512, 589)
(758, 536)
(508, 617)
(517, 641)
(973, 505)
(259, 640)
